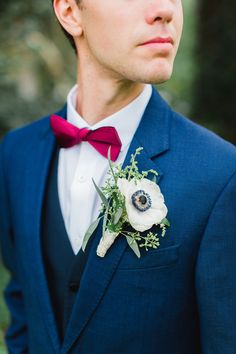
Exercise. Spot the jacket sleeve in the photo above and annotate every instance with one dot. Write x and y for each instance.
(216, 276)
(16, 335)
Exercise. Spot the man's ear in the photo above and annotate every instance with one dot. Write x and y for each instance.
(69, 16)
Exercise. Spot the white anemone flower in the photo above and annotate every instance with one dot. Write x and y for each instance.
(144, 203)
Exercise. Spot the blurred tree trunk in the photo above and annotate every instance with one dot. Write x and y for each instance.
(215, 97)
(37, 65)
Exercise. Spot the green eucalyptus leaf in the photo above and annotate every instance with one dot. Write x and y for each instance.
(133, 245)
(165, 222)
(105, 217)
(154, 179)
(118, 215)
(101, 195)
(110, 163)
(89, 232)
(104, 222)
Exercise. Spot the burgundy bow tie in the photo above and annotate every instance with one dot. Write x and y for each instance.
(101, 139)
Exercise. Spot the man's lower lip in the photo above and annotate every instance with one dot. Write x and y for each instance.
(158, 44)
(159, 47)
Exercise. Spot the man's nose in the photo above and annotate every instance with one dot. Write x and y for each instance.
(159, 11)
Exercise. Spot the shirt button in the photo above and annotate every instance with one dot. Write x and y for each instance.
(81, 178)
(73, 286)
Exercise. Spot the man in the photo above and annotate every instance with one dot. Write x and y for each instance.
(177, 299)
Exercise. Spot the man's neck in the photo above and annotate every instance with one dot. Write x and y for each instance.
(99, 98)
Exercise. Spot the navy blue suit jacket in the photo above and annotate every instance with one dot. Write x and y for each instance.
(177, 299)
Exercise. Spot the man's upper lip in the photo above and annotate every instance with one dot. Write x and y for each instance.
(160, 40)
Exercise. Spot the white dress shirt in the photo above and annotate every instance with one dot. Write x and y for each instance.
(77, 165)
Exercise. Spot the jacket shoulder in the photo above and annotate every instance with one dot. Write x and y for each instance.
(24, 138)
(33, 128)
(201, 155)
(200, 141)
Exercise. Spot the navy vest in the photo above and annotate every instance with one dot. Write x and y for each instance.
(63, 268)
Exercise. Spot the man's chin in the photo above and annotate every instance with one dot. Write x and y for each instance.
(159, 80)
(155, 77)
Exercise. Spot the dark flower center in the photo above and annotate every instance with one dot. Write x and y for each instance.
(141, 200)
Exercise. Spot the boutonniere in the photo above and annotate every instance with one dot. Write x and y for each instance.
(131, 205)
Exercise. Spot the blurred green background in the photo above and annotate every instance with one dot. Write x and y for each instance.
(38, 66)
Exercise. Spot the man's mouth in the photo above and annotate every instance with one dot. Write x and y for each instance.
(160, 40)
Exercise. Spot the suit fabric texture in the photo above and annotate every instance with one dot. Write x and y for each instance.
(177, 299)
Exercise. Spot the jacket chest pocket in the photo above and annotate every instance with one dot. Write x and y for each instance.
(158, 258)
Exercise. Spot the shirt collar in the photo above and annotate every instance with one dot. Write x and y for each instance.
(125, 121)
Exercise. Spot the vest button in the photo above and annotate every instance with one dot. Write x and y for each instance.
(73, 286)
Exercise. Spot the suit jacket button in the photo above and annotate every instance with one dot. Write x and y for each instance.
(73, 286)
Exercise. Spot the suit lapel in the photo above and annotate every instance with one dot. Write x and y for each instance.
(153, 135)
(37, 172)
